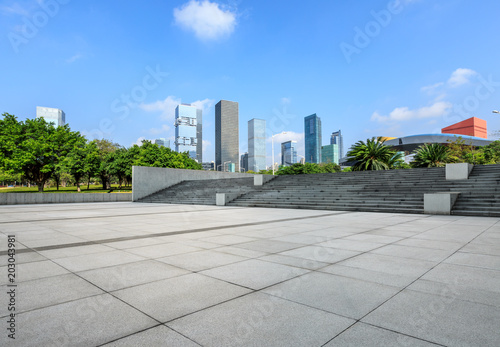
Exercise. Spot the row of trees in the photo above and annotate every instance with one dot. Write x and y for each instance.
(374, 154)
(37, 151)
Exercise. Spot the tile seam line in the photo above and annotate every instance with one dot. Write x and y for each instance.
(180, 232)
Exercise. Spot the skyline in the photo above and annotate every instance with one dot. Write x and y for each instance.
(119, 70)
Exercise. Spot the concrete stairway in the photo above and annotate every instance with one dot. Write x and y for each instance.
(372, 191)
(200, 192)
(480, 194)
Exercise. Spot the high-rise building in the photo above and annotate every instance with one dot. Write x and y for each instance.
(162, 142)
(338, 139)
(256, 144)
(188, 130)
(51, 115)
(226, 135)
(313, 140)
(288, 153)
(330, 154)
(244, 162)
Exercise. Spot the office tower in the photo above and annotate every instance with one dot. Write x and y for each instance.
(338, 139)
(256, 144)
(244, 163)
(51, 115)
(188, 130)
(313, 141)
(288, 153)
(226, 135)
(330, 154)
(162, 142)
(199, 136)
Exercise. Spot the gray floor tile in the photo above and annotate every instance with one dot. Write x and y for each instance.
(364, 335)
(50, 291)
(86, 322)
(476, 260)
(98, 260)
(36, 270)
(157, 336)
(254, 273)
(344, 296)
(321, 254)
(439, 319)
(163, 250)
(410, 252)
(131, 274)
(74, 251)
(174, 297)
(202, 260)
(293, 261)
(268, 246)
(260, 320)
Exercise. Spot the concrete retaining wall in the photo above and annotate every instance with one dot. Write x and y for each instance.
(460, 171)
(149, 180)
(61, 198)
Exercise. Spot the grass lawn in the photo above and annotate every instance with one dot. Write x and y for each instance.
(72, 189)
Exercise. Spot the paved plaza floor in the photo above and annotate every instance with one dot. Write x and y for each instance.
(131, 274)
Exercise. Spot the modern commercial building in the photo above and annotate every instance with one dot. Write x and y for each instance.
(244, 162)
(288, 153)
(330, 154)
(313, 140)
(256, 144)
(408, 144)
(208, 166)
(338, 139)
(226, 135)
(162, 142)
(470, 127)
(188, 131)
(51, 115)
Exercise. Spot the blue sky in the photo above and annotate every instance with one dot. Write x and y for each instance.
(370, 68)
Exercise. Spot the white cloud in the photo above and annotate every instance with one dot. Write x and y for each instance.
(139, 141)
(206, 144)
(460, 77)
(15, 8)
(286, 101)
(286, 136)
(206, 19)
(74, 58)
(432, 88)
(155, 131)
(166, 107)
(438, 109)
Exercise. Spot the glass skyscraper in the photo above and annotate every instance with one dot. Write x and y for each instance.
(188, 130)
(256, 144)
(288, 153)
(244, 162)
(338, 140)
(51, 115)
(330, 154)
(226, 136)
(162, 142)
(313, 140)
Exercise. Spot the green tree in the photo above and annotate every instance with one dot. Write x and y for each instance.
(372, 155)
(105, 148)
(92, 161)
(431, 155)
(33, 148)
(75, 161)
(308, 168)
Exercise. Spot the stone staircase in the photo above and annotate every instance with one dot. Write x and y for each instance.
(399, 191)
(201, 192)
(480, 194)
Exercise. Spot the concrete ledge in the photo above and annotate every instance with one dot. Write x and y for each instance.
(260, 180)
(149, 180)
(460, 171)
(221, 199)
(440, 203)
(61, 198)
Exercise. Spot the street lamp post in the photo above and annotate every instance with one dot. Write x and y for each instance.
(225, 165)
(272, 146)
(218, 166)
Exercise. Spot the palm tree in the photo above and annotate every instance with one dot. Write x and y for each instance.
(372, 155)
(431, 155)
